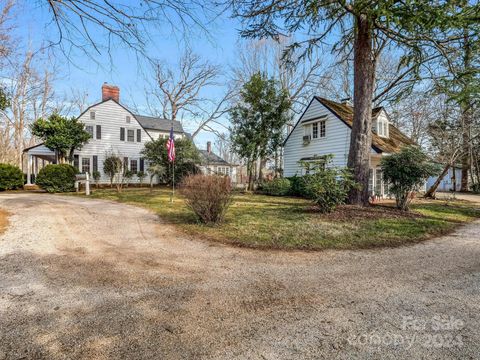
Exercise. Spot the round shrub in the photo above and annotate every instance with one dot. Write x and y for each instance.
(57, 178)
(208, 196)
(11, 177)
(276, 187)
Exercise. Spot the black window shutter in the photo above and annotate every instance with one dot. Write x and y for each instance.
(95, 163)
(139, 135)
(99, 132)
(122, 134)
(76, 162)
(142, 165)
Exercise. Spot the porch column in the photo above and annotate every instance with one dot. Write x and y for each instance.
(29, 169)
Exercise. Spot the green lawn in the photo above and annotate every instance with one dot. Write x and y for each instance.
(291, 223)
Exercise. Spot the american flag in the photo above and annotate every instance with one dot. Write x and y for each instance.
(171, 146)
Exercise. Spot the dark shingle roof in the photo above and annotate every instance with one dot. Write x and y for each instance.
(211, 158)
(392, 144)
(156, 123)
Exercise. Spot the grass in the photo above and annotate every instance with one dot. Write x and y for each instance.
(261, 221)
(3, 221)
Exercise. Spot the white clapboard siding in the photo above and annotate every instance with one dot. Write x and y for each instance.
(336, 141)
(111, 117)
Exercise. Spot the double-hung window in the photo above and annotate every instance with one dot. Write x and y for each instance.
(85, 165)
(89, 129)
(131, 135)
(315, 131)
(322, 129)
(133, 165)
(382, 128)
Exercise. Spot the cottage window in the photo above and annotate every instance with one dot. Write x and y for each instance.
(131, 135)
(99, 132)
(92, 115)
(322, 128)
(314, 130)
(85, 165)
(128, 119)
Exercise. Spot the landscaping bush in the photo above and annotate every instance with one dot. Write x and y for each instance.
(476, 188)
(405, 172)
(57, 178)
(11, 177)
(328, 188)
(276, 187)
(297, 185)
(96, 175)
(208, 196)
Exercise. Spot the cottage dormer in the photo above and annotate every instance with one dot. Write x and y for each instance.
(381, 126)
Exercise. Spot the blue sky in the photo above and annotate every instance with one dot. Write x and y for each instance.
(124, 70)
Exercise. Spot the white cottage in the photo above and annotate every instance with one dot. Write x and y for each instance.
(325, 127)
(115, 130)
(212, 164)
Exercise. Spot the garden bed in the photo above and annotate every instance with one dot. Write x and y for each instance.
(261, 221)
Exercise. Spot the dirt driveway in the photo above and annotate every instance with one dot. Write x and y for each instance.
(99, 280)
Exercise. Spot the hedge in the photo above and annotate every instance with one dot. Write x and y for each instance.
(11, 177)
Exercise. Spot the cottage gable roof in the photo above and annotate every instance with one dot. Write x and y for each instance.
(210, 158)
(392, 144)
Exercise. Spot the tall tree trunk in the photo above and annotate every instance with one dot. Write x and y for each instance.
(250, 166)
(361, 135)
(466, 158)
(466, 110)
(431, 192)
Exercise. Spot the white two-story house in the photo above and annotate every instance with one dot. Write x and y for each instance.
(325, 127)
(114, 130)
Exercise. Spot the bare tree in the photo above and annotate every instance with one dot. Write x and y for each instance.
(179, 93)
(267, 56)
(414, 114)
(96, 26)
(30, 95)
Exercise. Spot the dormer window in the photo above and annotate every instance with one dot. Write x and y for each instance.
(382, 128)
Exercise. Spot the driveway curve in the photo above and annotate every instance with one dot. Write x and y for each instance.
(93, 279)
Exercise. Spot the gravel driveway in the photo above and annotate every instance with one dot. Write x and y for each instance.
(92, 279)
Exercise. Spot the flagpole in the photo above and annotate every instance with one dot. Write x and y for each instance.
(173, 180)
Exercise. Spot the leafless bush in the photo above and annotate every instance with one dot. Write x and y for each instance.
(208, 196)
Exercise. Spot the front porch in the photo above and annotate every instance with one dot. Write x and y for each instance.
(38, 156)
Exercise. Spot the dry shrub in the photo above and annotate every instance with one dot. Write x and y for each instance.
(209, 196)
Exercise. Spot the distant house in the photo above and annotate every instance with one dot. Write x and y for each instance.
(325, 128)
(211, 163)
(114, 129)
(452, 181)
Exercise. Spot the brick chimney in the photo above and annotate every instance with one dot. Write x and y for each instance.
(209, 147)
(110, 92)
